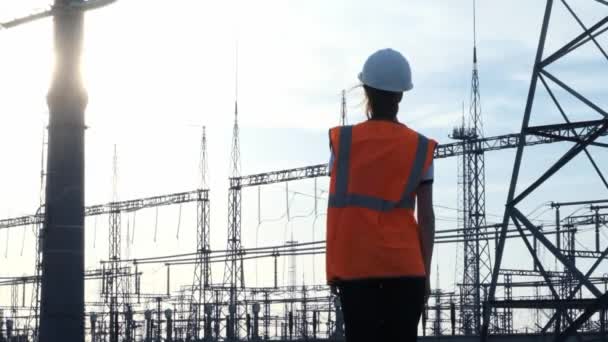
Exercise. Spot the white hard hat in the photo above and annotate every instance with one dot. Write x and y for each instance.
(388, 70)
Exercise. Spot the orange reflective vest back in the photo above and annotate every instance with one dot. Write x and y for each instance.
(371, 228)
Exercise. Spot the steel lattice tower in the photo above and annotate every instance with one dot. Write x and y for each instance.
(202, 270)
(35, 296)
(233, 271)
(477, 263)
(114, 286)
(584, 133)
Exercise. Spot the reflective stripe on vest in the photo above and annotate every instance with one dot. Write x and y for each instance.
(342, 198)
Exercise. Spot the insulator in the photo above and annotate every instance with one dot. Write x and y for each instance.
(208, 309)
(9, 328)
(248, 325)
(168, 314)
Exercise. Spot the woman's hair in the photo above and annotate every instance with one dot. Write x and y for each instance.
(381, 104)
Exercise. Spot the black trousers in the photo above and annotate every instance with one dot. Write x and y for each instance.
(385, 309)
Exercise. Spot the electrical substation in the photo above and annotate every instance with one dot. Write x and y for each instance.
(559, 294)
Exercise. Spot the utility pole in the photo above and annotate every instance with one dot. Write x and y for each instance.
(62, 292)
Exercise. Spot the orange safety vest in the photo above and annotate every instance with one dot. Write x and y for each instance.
(371, 228)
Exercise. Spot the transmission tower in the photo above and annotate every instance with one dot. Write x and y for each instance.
(113, 280)
(202, 271)
(584, 133)
(471, 171)
(233, 271)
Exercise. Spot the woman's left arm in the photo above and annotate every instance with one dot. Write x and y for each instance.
(426, 222)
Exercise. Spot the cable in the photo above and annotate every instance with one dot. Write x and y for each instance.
(313, 239)
(574, 212)
(243, 251)
(179, 221)
(23, 241)
(287, 200)
(257, 231)
(581, 245)
(537, 208)
(312, 212)
(280, 218)
(128, 231)
(313, 257)
(260, 221)
(309, 195)
(460, 211)
(128, 244)
(94, 231)
(283, 264)
(133, 232)
(156, 224)
(7, 238)
(446, 207)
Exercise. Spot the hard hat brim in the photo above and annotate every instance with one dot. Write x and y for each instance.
(376, 86)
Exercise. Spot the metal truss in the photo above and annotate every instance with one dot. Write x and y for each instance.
(114, 210)
(536, 136)
(280, 176)
(199, 297)
(477, 262)
(530, 273)
(541, 303)
(581, 220)
(88, 275)
(202, 274)
(582, 135)
(149, 202)
(122, 206)
(533, 136)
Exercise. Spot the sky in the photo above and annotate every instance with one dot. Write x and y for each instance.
(157, 71)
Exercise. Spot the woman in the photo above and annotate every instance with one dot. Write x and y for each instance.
(378, 253)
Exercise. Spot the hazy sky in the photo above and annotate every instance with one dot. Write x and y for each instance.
(156, 71)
